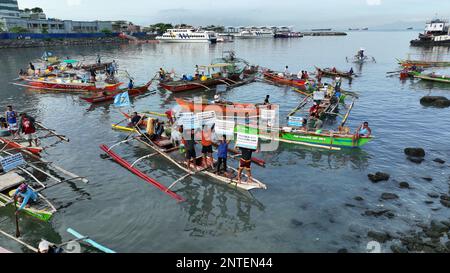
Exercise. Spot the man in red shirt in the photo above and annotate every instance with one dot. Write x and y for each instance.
(28, 128)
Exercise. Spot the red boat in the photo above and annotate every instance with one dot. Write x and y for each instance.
(111, 95)
(226, 108)
(74, 85)
(180, 86)
(275, 78)
(20, 146)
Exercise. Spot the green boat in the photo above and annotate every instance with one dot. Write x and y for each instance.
(433, 77)
(325, 139)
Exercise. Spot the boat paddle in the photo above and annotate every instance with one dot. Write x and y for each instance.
(17, 218)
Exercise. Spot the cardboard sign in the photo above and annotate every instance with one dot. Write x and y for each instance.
(295, 121)
(319, 95)
(11, 162)
(188, 120)
(206, 118)
(224, 127)
(268, 114)
(248, 141)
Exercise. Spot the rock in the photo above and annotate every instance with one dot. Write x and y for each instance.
(342, 250)
(375, 213)
(389, 196)
(447, 223)
(358, 198)
(447, 245)
(435, 101)
(381, 237)
(296, 223)
(429, 179)
(404, 185)
(445, 203)
(432, 234)
(415, 152)
(433, 195)
(349, 205)
(398, 249)
(416, 160)
(438, 160)
(428, 202)
(438, 227)
(378, 177)
(445, 197)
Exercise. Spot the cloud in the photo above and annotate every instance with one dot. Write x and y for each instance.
(373, 2)
(73, 3)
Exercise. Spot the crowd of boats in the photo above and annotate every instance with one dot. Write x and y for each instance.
(318, 121)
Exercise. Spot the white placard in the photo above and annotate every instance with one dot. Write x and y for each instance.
(206, 118)
(188, 120)
(11, 162)
(267, 114)
(295, 121)
(248, 141)
(319, 95)
(224, 127)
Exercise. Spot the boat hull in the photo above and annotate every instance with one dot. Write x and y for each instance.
(19, 146)
(72, 87)
(300, 84)
(131, 92)
(225, 109)
(181, 86)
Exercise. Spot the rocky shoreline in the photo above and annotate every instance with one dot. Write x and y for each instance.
(26, 43)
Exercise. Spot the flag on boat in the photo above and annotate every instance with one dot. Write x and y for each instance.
(122, 100)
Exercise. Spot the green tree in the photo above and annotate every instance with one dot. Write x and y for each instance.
(37, 10)
(106, 31)
(18, 30)
(160, 28)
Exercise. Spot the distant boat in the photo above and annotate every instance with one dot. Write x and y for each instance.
(353, 29)
(366, 28)
(410, 28)
(321, 29)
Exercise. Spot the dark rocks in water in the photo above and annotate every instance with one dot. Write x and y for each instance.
(429, 179)
(296, 223)
(358, 198)
(438, 227)
(447, 223)
(379, 213)
(349, 205)
(432, 234)
(389, 196)
(415, 152)
(447, 245)
(438, 160)
(416, 160)
(378, 177)
(435, 101)
(428, 202)
(445, 203)
(381, 237)
(404, 185)
(342, 250)
(445, 197)
(398, 249)
(433, 195)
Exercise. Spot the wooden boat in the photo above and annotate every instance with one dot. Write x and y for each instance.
(9, 182)
(96, 66)
(329, 72)
(325, 139)
(75, 85)
(420, 63)
(433, 77)
(20, 144)
(298, 83)
(360, 60)
(112, 94)
(226, 108)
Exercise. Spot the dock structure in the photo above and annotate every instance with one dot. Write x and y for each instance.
(323, 33)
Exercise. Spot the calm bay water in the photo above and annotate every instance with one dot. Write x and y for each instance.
(306, 207)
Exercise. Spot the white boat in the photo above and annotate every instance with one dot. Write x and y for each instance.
(255, 34)
(188, 35)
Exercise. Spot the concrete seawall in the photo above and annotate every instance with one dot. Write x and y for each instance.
(23, 43)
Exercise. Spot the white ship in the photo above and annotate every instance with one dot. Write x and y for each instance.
(255, 34)
(188, 36)
(437, 33)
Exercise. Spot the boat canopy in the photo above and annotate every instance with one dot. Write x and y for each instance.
(70, 61)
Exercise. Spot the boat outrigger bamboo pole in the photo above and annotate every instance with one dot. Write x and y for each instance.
(19, 241)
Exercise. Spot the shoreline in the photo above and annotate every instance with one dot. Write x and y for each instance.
(27, 43)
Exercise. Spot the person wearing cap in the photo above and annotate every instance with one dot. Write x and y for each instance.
(314, 110)
(24, 194)
(28, 128)
(46, 247)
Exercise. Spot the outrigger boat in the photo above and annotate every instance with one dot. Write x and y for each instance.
(433, 77)
(225, 108)
(232, 77)
(420, 63)
(337, 73)
(60, 84)
(274, 77)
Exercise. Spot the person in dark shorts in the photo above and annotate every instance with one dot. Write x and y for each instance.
(245, 163)
(222, 154)
(189, 144)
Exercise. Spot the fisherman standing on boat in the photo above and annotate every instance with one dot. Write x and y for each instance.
(162, 74)
(266, 100)
(189, 144)
(11, 119)
(207, 150)
(351, 71)
(363, 131)
(24, 194)
(287, 74)
(130, 84)
(28, 128)
(99, 59)
(245, 163)
(222, 154)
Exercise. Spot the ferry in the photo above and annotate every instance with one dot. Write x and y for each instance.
(437, 32)
(188, 35)
(255, 34)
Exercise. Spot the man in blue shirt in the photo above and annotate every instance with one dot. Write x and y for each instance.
(222, 154)
(24, 194)
(11, 119)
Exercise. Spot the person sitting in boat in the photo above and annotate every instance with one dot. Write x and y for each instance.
(306, 75)
(314, 123)
(130, 84)
(334, 70)
(159, 129)
(361, 53)
(314, 110)
(11, 119)
(49, 248)
(184, 77)
(189, 144)
(222, 154)
(24, 195)
(162, 74)
(135, 120)
(93, 74)
(363, 131)
(27, 126)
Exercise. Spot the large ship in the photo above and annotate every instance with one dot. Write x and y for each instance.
(188, 35)
(437, 32)
(255, 34)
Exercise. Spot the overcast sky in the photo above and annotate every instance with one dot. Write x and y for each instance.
(299, 13)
